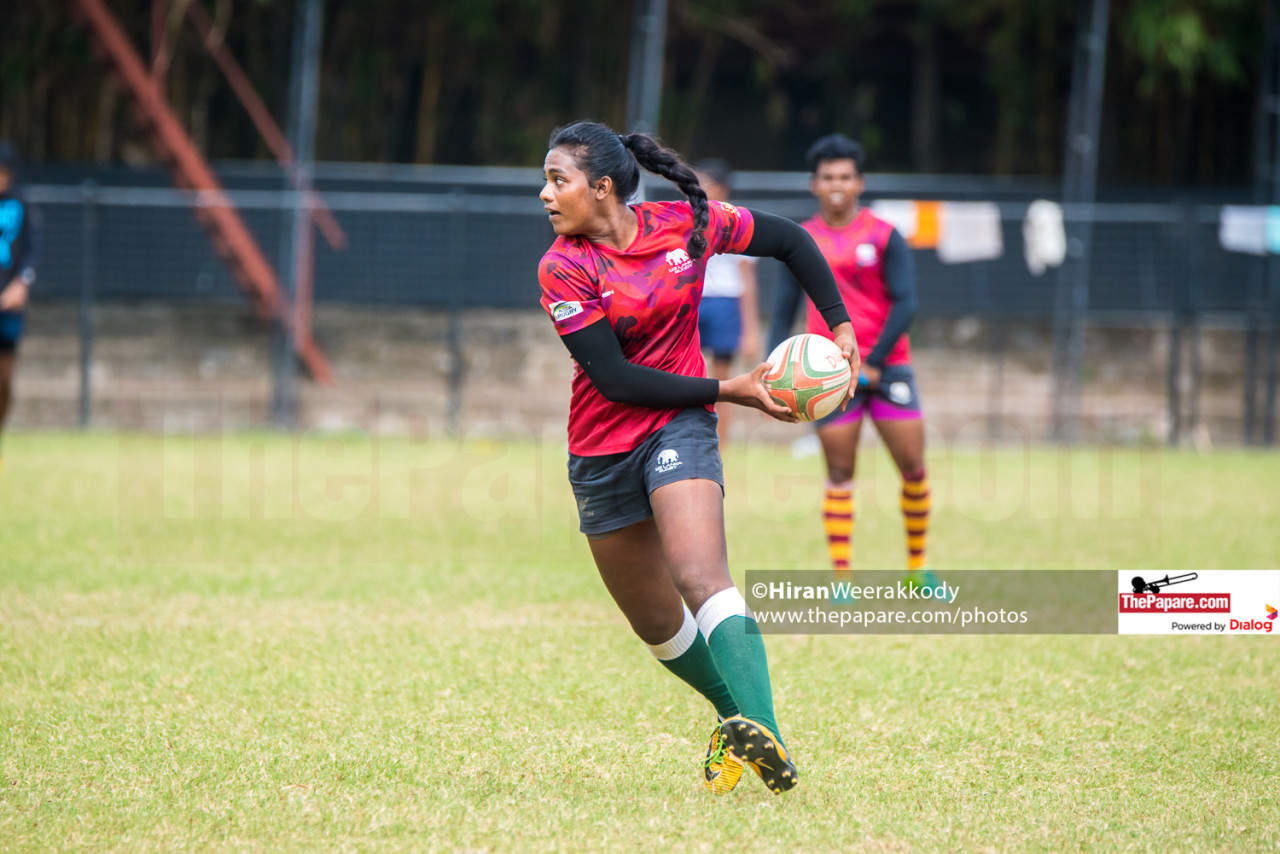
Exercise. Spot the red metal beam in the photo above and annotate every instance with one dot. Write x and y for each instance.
(226, 228)
(213, 41)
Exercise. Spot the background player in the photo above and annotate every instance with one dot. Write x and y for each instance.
(876, 275)
(622, 286)
(729, 317)
(17, 272)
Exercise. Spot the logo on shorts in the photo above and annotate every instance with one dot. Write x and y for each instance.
(678, 260)
(667, 461)
(900, 393)
(564, 310)
(582, 507)
(865, 254)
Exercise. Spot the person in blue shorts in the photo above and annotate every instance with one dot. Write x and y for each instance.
(17, 271)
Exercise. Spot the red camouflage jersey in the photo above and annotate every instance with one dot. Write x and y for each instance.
(855, 254)
(649, 293)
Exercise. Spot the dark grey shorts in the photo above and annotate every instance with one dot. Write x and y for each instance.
(613, 490)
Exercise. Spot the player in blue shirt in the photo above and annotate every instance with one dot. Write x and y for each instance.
(18, 257)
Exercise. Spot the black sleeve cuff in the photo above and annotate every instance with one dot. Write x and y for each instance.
(834, 315)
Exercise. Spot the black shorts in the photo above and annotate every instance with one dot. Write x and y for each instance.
(10, 330)
(613, 490)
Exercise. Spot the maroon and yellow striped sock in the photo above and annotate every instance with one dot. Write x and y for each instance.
(915, 514)
(837, 520)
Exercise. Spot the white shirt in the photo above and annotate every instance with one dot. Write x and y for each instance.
(724, 275)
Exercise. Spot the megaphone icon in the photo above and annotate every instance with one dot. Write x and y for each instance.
(1140, 586)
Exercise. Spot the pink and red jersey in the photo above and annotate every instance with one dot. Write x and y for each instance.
(855, 254)
(649, 293)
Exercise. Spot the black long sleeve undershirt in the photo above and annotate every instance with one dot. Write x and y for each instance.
(900, 281)
(599, 353)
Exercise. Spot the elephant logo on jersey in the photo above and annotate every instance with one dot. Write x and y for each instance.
(678, 261)
(668, 460)
(865, 254)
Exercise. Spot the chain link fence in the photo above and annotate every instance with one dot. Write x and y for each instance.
(456, 239)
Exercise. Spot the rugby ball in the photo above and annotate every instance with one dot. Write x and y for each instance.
(808, 375)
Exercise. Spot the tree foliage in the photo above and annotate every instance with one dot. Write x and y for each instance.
(979, 86)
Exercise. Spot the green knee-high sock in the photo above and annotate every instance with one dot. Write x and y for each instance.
(686, 655)
(739, 654)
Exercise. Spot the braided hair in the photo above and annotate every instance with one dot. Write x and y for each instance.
(598, 152)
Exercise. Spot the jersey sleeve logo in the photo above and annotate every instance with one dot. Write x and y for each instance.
(564, 310)
(678, 261)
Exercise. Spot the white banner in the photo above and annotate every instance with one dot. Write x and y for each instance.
(1211, 601)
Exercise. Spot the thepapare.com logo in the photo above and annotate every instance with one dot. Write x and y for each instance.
(1153, 597)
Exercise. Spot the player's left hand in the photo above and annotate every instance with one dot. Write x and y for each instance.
(871, 376)
(14, 297)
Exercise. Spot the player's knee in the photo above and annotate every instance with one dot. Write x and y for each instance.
(696, 587)
(839, 472)
(913, 469)
(655, 629)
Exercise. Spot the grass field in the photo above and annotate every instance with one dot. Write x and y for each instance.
(261, 643)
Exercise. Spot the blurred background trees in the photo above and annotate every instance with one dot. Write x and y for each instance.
(928, 85)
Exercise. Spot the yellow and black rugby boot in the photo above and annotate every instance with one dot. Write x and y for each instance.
(720, 770)
(753, 744)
